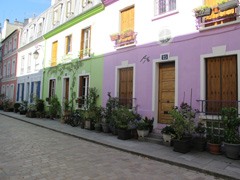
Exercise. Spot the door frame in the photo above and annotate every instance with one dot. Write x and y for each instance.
(63, 87)
(155, 84)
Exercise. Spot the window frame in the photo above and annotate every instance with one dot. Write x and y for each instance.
(85, 42)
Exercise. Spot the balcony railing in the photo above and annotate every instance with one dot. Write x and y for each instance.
(213, 107)
(127, 102)
(218, 17)
(123, 40)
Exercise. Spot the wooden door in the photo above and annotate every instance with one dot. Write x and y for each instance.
(127, 21)
(166, 92)
(221, 83)
(54, 54)
(126, 86)
(67, 89)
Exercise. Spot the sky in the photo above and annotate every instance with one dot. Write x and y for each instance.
(21, 9)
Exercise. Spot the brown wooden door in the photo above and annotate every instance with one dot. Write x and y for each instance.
(166, 92)
(126, 86)
(127, 22)
(67, 89)
(221, 83)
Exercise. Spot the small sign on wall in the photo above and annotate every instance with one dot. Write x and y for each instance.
(164, 56)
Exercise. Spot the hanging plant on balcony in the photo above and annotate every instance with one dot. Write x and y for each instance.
(202, 11)
(128, 32)
(115, 37)
(227, 4)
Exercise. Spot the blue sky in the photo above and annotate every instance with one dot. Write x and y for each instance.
(21, 9)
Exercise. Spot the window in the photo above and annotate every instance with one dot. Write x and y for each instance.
(7, 91)
(11, 91)
(22, 64)
(29, 62)
(3, 89)
(20, 92)
(221, 84)
(6, 49)
(36, 64)
(52, 87)
(13, 67)
(68, 45)
(127, 22)
(56, 15)
(10, 46)
(54, 54)
(85, 43)
(8, 69)
(35, 89)
(224, 17)
(40, 26)
(69, 8)
(126, 87)
(164, 6)
(31, 33)
(4, 70)
(15, 43)
(83, 89)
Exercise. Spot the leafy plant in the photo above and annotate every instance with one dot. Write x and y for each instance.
(23, 106)
(168, 130)
(231, 124)
(55, 106)
(200, 8)
(183, 120)
(222, 1)
(111, 104)
(143, 126)
(122, 117)
(200, 129)
(126, 30)
(40, 105)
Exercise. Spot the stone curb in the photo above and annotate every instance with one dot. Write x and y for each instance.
(182, 165)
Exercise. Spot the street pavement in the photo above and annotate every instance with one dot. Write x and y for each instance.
(40, 152)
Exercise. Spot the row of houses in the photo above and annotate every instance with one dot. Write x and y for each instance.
(170, 57)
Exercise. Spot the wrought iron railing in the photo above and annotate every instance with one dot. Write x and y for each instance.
(127, 102)
(213, 107)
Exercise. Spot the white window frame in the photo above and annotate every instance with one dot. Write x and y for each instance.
(3, 89)
(53, 90)
(29, 62)
(4, 70)
(14, 43)
(13, 67)
(10, 46)
(8, 68)
(7, 91)
(86, 42)
(22, 64)
(88, 85)
(6, 49)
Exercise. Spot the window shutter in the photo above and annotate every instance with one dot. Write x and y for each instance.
(22, 91)
(66, 45)
(58, 14)
(80, 86)
(38, 89)
(71, 43)
(82, 43)
(50, 88)
(18, 92)
(90, 40)
(31, 99)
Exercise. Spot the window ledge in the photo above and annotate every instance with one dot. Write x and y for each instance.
(218, 26)
(122, 47)
(85, 58)
(165, 15)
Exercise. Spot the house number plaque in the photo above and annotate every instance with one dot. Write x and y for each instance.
(164, 57)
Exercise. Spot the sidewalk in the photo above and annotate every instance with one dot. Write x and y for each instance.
(217, 165)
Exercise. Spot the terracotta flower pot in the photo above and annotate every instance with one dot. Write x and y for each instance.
(214, 148)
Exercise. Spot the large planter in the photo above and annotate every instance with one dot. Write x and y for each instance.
(143, 133)
(232, 150)
(228, 5)
(205, 12)
(214, 148)
(167, 138)
(182, 146)
(114, 130)
(199, 144)
(32, 114)
(134, 134)
(124, 134)
(23, 112)
(105, 128)
(98, 127)
(88, 124)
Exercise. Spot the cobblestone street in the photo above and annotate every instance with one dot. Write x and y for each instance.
(31, 152)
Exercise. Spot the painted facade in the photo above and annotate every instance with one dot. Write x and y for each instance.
(69, 42)
(174, 41)
(8, 65)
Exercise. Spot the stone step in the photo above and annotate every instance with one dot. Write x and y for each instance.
(155, 135)
(153, 138)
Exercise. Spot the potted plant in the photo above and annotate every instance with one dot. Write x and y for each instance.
(231, 123)
(167, 132)
(122, 118)
(40, 105)
(66, 107)
(227, 4)
(23, 107)
(54, 107)
(115, 36)
(143, 129)
(183, 122)
(16, 106)
(128, 32)
(202, 11)
(38, 114)
(199, 142)
(32, 110)
(97, 117)
(214, 144)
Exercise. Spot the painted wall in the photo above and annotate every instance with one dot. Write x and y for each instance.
(93, 67)
(188, 51)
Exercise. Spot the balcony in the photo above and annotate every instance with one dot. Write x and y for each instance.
(124, 39)
(213, 107)
(217, 15)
